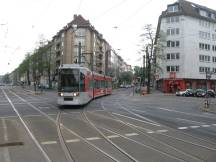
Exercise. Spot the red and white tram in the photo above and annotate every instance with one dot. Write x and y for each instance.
(77, 85)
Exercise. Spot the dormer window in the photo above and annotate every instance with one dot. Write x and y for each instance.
(173, 8)
(203, 13)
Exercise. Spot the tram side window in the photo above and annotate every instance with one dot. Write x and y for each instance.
(109, 84)
(90, 83)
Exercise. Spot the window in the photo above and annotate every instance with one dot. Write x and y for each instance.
(168, 56)
(201, 69)
(177, 43)
(172, 19)
(173, 31)
(172, 68)
(204, 35)
(214, 48)
(173, 43)
(203, 13)
(177, 31)
(214, 70)
(214, 59)
(172, 56)
(214, 37)
(204, 46)
(173, 8)
(177, 56)
(204, 58)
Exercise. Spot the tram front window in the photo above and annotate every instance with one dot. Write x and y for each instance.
(69, 80)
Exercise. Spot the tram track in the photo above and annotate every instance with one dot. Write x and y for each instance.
(138, 129)
(61, 125)
(141, 130)
(181, 132)
(106, 138)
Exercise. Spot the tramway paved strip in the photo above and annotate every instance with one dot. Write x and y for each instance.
(5, 149)
(69, 130)
(27, 129)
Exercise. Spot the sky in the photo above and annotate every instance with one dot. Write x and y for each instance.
(24, 22)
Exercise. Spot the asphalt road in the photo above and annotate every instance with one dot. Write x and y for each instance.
(118, 127)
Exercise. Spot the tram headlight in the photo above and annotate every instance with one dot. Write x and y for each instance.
(76, 94)
(61, 94)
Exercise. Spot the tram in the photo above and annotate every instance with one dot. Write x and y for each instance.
(77, 85)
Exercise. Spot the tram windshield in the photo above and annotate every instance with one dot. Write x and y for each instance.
(68, 80)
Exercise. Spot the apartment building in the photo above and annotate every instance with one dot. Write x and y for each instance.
(79, 33)
(189, 47)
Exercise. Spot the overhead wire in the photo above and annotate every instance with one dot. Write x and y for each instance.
(79, 6)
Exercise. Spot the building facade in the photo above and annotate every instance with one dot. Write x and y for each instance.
(189, 47)
(80, 35)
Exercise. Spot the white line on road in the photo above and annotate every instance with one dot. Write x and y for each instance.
(150, 132)
(182, 128)
(161, 131)
(195, 126)
(49, 142)
(135, 119)
(205, 126)
(93, 138)
(73, 140)
(214, 124)
(27, 129)
(113, 136)
(131, 134)
(191, 121)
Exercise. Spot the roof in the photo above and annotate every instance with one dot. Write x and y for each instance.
(190, 9)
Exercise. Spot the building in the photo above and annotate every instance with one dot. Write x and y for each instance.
(80, 38)
(189, 46)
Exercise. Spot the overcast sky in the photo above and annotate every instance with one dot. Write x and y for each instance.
(22, 22)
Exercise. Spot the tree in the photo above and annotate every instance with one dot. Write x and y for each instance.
(151, 45)
(126, 77)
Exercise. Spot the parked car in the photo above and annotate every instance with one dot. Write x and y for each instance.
(187, 92)
(210, 93)
(200, 93)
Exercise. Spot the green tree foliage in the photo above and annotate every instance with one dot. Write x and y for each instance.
(126, 77)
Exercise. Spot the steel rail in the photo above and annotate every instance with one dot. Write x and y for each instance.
(66, 150)
(27, 129)
(69, 130)
(107, 139)
(132, 126)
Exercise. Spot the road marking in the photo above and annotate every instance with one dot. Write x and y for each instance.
(161, 131)
(131, 134)
(181, 112)
(73, 140)
(27, 129)
(43, 107)
(93, 138)
(182, 128)
(6, 151)
(194, 126)
(205, 126)
(49, 142)
(113, 136)
(192, 121)
(214, 124)
(135, 119)
(150, 132)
